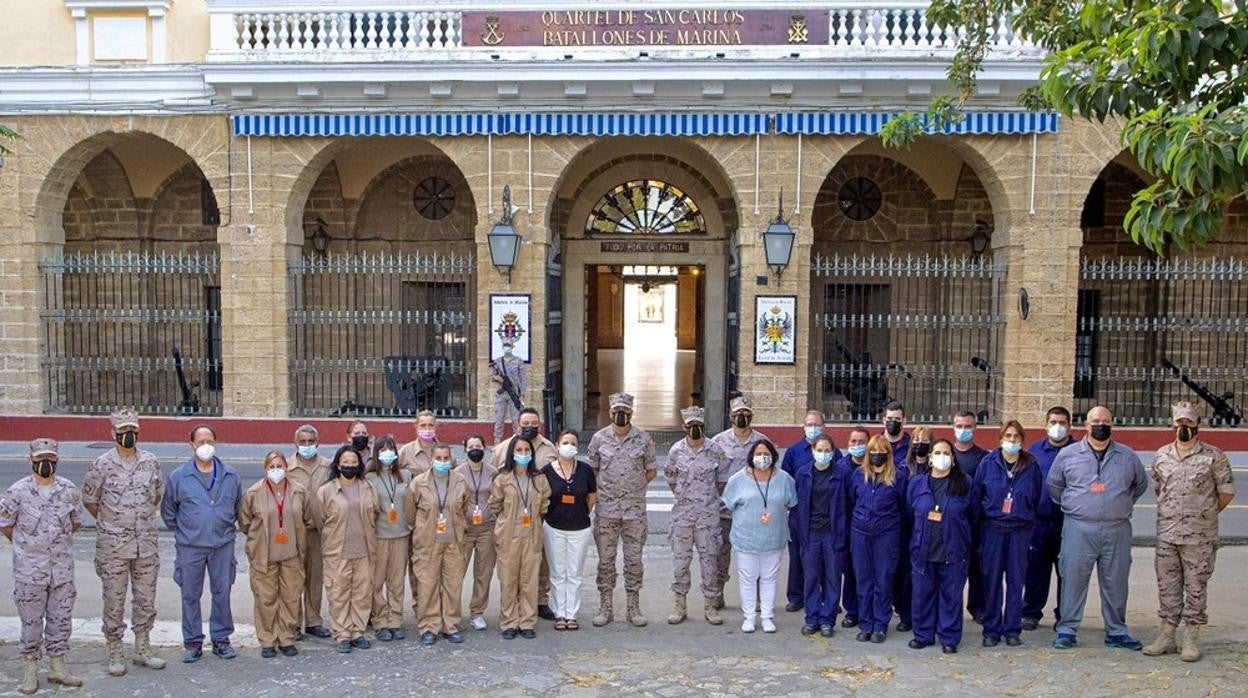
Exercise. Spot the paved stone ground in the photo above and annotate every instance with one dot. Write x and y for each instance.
(660, 660)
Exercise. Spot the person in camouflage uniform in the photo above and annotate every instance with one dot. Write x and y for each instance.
(122, 490)
(695, 473)
(623, 460)
(1193, 483)
(40, 514)
(737, 441)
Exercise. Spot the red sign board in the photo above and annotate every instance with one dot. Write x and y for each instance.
(646, 28)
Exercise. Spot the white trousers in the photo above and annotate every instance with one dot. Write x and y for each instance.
(565, 554)
(757, 574)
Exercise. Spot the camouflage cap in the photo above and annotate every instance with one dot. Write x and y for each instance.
(622, 401)
(740, 404)
(1184, 410)
(693, 414)
(43, 447)
(124, 418)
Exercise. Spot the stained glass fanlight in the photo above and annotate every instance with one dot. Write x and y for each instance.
(645, 207)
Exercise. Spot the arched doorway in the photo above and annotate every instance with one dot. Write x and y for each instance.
(132, 298)
(643, 227)
(383, 290)
(905, 293)
(1153, 330)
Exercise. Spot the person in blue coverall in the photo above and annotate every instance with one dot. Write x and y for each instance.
(855, 457)
(943, 513)
(822, 514)
(878, 498)
(1008, 487)
(795, 458)
(1046, 536)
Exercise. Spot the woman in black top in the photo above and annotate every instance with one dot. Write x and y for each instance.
(567, 532)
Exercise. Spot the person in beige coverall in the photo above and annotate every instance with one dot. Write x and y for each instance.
(346, 513)
(519, 499)
(391, 559)
(437, 511)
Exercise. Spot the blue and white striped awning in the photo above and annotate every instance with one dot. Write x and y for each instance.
(870, 123)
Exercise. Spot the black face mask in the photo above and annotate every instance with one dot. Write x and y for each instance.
(126, 439)
(1100, 432)
(529, 433)
(695, 432)
(621, 419)
(921, 449)
(742, 420)
(349, 471)
(1186, 433)
(893, 427)
(476, 455)
(44, 468)
(359, 443)
(878, 459)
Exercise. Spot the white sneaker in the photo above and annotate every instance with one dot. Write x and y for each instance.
(478, 623)
(768, 626)
(747, 625)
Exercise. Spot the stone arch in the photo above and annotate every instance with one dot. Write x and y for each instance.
(387, 211)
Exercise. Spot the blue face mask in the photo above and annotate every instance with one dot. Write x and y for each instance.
(964, 435)
(858, 451)
(813, 433)
(387, 457)
(522, 461)
(307, 452)
(823, 457)
(1010, 449)
(441, 467)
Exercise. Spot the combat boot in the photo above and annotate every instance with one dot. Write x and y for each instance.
(59, 673)
(1191, 651)
(711, 610)
(30, 676)
(116, 658)
(719, 601)
(634, 610)
(144, 656)
(679, 611)
(605, 614)
(1164, 644)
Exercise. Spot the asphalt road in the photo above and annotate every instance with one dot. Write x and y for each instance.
(77, 456)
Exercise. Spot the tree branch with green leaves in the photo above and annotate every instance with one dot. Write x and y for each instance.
(7, 134)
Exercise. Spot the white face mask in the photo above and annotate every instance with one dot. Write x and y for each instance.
(567, 451)
(1057, 432)
(205, 452)
(942, 462)
(276, 475)
(762, 462)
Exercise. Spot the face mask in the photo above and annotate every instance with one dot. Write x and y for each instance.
(823, 457)
(350, 472)
(741, 421)
(427, 434)
(893, 427)
(522, 461)
(620, 419)
(44, 468)
(387, 457)
(476, 454)
(762, 462)
(359, 443)
(528, 433)
(441, 467)
(921, 449)
(1100, 432)
(858, 451)
(942, 462)
(276, 475)
(307, 452)
(695, 432)
(205, 452)
(813, 433)
(1057, 432)
(1186, 433)
(1010, 449)
(127, 439)
(963, 434)
(509, 350)
(568, 451)
(878, 459)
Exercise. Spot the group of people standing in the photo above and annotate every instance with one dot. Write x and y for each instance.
(899, 522)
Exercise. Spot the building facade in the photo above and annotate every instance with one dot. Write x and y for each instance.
(263, 208)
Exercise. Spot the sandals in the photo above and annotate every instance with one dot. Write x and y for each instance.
(560, 624)
(570, 624)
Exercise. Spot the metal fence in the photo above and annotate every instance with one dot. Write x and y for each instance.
(139, 330)
(1153, 331)
(385, 335)
(923, 330)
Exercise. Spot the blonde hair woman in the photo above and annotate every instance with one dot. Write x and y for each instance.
(878, 500)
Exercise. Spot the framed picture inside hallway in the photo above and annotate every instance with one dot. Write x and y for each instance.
(650, 305)
(775, 330)
(509, 321)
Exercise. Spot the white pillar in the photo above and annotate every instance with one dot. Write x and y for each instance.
(82, 32)
(160, 44)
